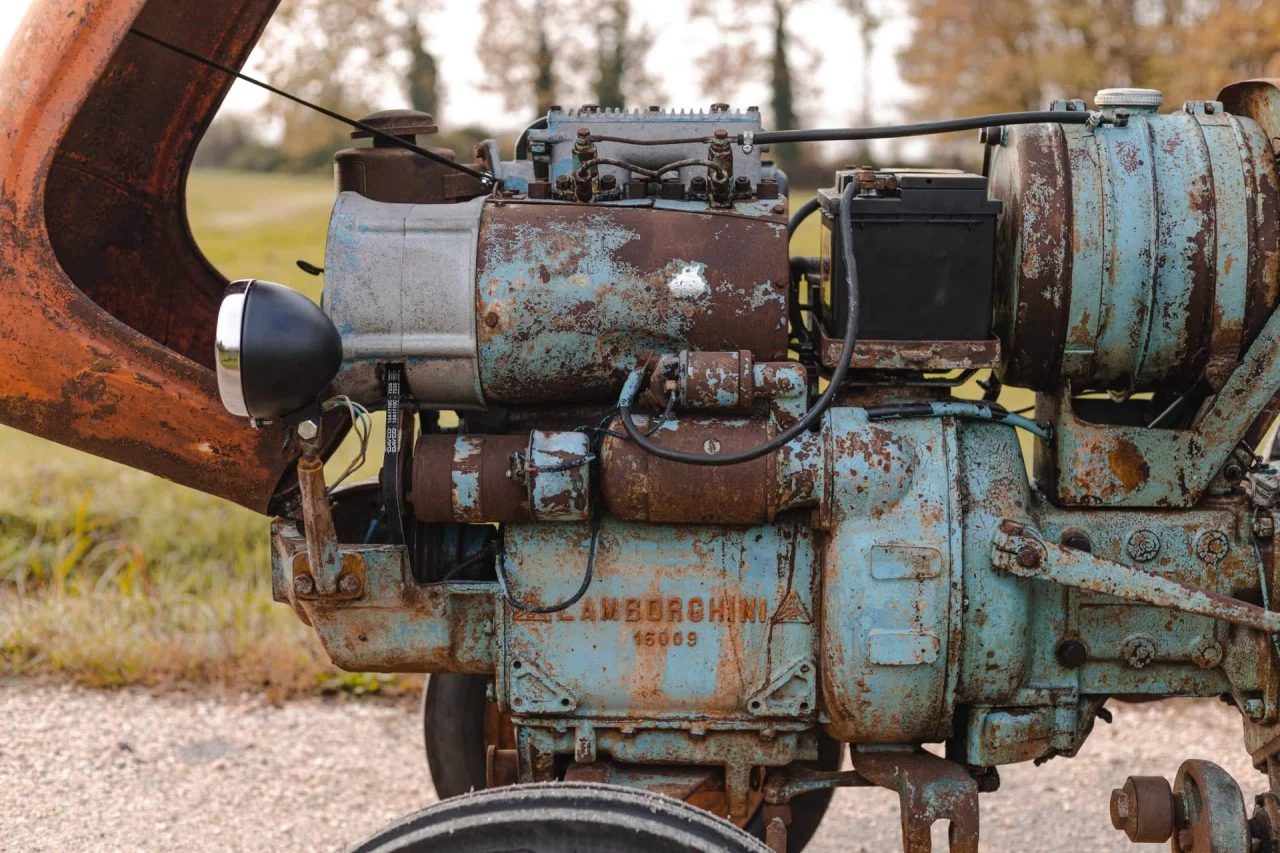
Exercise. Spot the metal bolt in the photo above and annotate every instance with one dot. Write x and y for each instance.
(491, 319)
(778, 209)
(304, 584)
(742, 182)
(698, 183)
(584, 133)
(1072, 654)
(1029, 556)
(721, 133)
(608, 182)
(349, 584)
(712, 447)
(308, 429)
(1138, 650)
(1212, 546)
(1119, 807)
(564, 182)
(1207, 654)
(1143, 546)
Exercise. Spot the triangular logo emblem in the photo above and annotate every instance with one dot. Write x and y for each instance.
(529, 616)
(792, 610)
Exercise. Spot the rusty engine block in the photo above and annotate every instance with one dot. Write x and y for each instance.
(709, 511)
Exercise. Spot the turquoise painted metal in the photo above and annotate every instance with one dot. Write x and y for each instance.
(891, 577)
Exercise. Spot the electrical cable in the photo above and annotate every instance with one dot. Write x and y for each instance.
(888, 131)
(927, 128)
(809, 418)
(959, 409)
(390, 138)
(360, 424)
(500, 564)
(806, 210)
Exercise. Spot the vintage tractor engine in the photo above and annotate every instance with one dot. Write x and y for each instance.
(675, 510)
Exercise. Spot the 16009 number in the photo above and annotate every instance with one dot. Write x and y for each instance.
(666, 638)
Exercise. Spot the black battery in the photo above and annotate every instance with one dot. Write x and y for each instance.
(924, 242)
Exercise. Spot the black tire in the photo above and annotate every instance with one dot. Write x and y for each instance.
(561, 817)
(453, 722)
(453, 712)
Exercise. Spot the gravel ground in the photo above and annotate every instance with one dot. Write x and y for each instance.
(84, 770)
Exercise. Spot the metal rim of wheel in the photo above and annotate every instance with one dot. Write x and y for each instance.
(561, 817)
(454, 710)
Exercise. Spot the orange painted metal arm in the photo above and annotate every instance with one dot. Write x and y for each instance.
(106, 304)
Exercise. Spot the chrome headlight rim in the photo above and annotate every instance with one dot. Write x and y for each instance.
(228, 348)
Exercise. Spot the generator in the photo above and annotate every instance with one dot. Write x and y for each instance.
(672, 516)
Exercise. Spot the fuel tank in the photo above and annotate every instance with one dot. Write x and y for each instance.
(1137, 255)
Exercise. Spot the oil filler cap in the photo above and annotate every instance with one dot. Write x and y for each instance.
(1133, 99)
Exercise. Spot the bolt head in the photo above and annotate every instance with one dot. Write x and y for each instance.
(1072, 654)
(348, 584)
(304, 584)
(308, 430)
(721, 133)
(1029, 556)
(1119, 807)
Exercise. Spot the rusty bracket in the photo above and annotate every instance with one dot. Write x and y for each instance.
(1021, 551)
(929, 789)
(784, 785)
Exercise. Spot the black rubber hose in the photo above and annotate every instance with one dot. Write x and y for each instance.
(928, 128)
(806, 210)
(810, 417)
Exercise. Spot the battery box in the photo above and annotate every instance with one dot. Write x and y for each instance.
(924, 242)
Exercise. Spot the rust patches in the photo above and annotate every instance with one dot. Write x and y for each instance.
(94, 225)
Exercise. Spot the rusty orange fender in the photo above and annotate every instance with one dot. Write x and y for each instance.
(107, 306)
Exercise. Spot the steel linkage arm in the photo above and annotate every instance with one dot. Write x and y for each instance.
(1020, 550)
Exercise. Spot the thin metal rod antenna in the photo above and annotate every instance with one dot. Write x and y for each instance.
(390, 138)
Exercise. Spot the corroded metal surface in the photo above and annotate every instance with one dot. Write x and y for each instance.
(97, 136)
(912, 355)
(570, 297)
(542, 476)
(930, 789)
(1138, 255)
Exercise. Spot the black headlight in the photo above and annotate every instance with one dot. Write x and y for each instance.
(276, 351)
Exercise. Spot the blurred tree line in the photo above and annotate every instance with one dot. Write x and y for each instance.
(963, 57)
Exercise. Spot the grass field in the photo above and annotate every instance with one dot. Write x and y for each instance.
(110, 576)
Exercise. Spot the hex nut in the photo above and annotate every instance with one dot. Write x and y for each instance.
(308, 429)
(1144, 809)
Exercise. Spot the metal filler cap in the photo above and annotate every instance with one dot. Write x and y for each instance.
(1149, 99)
